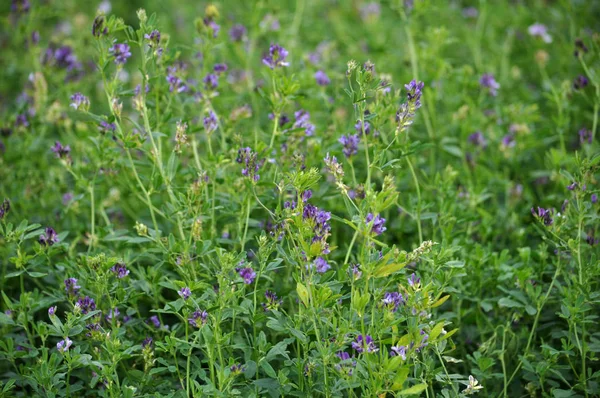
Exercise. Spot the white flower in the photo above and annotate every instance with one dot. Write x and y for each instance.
(473, 386)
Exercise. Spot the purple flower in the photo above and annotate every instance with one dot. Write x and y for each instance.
(478, 139)
(273, 301)
(20, 6)
(64, 345)
(99, 26)
(48, 238)
(52, 311)
(414, 281)
(185, 293)
(80, 101)
(488, 81)
(237, 32)
(585, 135)
(350, 143)
(319, 220)
(114, 313)
(86, 304)
(106, 127)
(211, 82)
(356, 272)
(237, 368)
(4, 208)
(306, 195)
(121, 52)
(591, 240)
(364, 343)
(470, 12)
(198, 318)
(361, 127)
(71, 286)
(346, 362)
(392, 300)
(303, 122)
(62, 57)
(21, 120)
(321, 265)
(175, 83)
(572, 186)
(544, 215)
(276, 58)
(594, 198)
(249, 160)
(508, 141)
(424, 340)
(378, 223)
(147, 342)
(220, 68)
(120, 269)
(399, 351)
(67, 198)
(212, 27)
(210, 122)
(580, 82)
(322, 78)
(539, 30)
(155, 321)
(406, 113)
(62, 152)
(153, 37)
(247, 273)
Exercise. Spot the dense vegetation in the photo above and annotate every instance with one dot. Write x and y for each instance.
(299, 198)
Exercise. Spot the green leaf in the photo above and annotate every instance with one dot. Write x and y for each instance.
(302, 293)
(510, 303)
(455, 264)
(388, 269)
(416, 389)
(268, 369)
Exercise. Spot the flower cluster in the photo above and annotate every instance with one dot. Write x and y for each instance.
(49, 237)
(364, 344)
(487, 81)
(392, 300)
(545, 215)
(176, 83)
(303, 122)
(347, 363)
(86, 304)
(276, 57)
(350, 143)
(377, 223)
(210, 122)
(185, 293)
(247, 274)
(406, 113)
(71, 286)
(198, 318)
(272, 303)
(80, 102)
(318, 220)
(4, 208)
(121, 52)
(62, 152)
(251, 163)
(120, 269)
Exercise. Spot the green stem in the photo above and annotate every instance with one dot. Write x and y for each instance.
(416, 181)
(247, 222)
